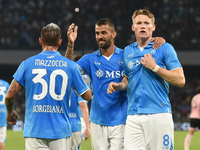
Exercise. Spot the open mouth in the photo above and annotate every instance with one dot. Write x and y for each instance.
(142, 31)
(102, 41)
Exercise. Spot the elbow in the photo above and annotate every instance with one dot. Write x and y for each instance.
(181, 83)
(87, 96)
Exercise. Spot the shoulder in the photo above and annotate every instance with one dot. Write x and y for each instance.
(130, 46)
(4, 83)
(166, 45)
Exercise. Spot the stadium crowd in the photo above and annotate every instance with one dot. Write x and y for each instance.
(177, 22)
(21, 21)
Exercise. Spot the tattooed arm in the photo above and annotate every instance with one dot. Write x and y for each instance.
(9, 101)
(71, 35)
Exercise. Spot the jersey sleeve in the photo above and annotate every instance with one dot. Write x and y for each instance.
(125, 71)
(19, 75)
(170, 57)
(78, 82)
(80, 99)
(84, 64)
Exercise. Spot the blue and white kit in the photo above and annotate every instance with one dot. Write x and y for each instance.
(107, 109)
(48, 78)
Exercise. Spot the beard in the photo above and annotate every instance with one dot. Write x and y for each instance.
(106, 45)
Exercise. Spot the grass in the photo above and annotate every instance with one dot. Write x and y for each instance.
(15, 141)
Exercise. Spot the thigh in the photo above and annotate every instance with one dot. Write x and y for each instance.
(3, 134)
(60, 144)
(160, 131)
(75, 140)
(116, 137)
(47, 144)
(134, 135)
(99, 137)
(36, 144)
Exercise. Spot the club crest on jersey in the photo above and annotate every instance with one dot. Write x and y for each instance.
(130, 65)
(120, 62)
(99, 73)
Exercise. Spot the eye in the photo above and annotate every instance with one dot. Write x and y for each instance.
(97, 33)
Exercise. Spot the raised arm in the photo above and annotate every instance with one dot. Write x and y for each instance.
(9, 101)
(71, 35)
(85, 114)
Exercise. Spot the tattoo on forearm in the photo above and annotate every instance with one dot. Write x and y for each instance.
(69, 52)
(14, 87)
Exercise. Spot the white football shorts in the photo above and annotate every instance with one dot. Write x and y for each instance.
(48, 144)
(75, 140)
(107, 137)
(3, 134)
(83, 127)
(149, 132)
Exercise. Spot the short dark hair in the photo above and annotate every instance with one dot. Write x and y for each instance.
(51, 34)
(106, 21)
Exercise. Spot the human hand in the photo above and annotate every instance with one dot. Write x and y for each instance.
(148, 61)
(87, 133)
(12, 117)
(112, 87)
(72, 34)
(158, 41)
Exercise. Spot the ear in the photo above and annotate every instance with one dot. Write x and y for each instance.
(60, 42)
(133, 28)
(114, 34)
(154, 27)
(40, 40)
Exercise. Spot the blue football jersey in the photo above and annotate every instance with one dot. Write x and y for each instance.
(106, 109)
(48, 78)
(3, 111)
(148, 92)
(74, 112)
(80, 99)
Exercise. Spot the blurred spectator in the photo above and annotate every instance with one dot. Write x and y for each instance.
(178, 23)
(21, 20)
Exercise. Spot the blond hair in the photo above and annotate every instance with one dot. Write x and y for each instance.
(143, 12)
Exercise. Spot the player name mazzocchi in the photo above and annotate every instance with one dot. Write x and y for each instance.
(50, 63)
(47, 109)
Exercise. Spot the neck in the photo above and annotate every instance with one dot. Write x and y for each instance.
(109, 51)
(49, 48)
(142, 42)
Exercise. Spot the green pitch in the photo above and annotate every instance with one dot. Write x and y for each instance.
(15, 141)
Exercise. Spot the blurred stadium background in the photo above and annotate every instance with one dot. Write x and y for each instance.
(178, 21)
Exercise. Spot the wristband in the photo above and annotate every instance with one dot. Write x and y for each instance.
(156, 68)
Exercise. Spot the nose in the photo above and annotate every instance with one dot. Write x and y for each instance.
(143, 25)
(100, 35)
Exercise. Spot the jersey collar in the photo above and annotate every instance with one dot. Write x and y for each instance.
(50, 53)
(98, 53)
(150, 44)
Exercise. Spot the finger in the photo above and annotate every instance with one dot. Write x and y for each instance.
(109, 91)
(75, 29)
(153, 39)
